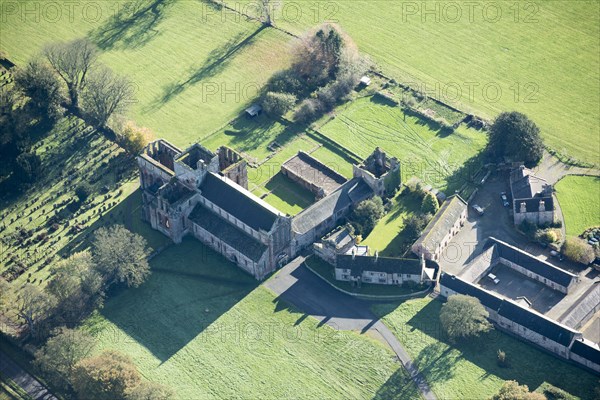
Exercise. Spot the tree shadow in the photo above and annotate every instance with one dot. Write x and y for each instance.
(132, 26)
(398, 386)
(216, 61)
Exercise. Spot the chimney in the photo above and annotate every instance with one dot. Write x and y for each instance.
(353, 253)
(542, 206)
(523, 208)
(376, 255)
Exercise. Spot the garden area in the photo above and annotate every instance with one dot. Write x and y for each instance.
(197, 315)
(579, 199)
(470, 369)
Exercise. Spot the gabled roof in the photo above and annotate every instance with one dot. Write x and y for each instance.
(533, 205)
(487, 299)
(233, 236)
(358, 264)
(536, 322)
(442, 222)
(238, 202)
(528, 261)
(349, 193)
(525, 184)
(586, 350)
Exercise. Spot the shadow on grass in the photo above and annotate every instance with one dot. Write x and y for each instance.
(439, 359)
(132, 26)
(216, 61)
(191, 286)
(398, 386)
(289, 191)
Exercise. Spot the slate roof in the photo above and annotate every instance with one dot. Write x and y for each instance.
(537, 323)
(238, 202)
(488, 299)
(349, 193)
(233, 236)
(586, 351)
(442, 222)
(358, 264)
(533, 205)
(526, 185)
(527, 261)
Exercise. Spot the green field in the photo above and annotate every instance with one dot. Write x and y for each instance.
(539, 57)
(191, 74)
(421, 147)
(203, 327)
(469, 369)
(579, 199)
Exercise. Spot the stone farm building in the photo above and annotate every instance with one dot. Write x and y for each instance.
(527, 324)
(204, 194)
(531, 197)
(443, 226)
(382, 270)
(497, 252)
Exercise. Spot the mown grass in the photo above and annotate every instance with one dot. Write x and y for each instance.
(468, 370)
(203, 327)
(422, 148)
(579, 199)
(540, 58)
(191, 71)
(387, 236)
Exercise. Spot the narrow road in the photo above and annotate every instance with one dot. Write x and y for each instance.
(297, 285)
(22, 378)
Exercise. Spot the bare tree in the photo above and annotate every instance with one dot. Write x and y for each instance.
(73, 62)
(32, 305)
(267, 8)
(106, 94)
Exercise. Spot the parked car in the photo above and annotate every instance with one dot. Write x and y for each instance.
(556, 254)
(478, 209)
(493, 278)
(505, 202)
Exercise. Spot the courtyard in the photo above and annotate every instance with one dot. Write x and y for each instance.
(514, 285)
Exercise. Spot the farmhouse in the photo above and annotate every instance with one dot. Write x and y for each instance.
(526, 323)
(312, 174)
(498, 252)
(532, 197)
(443, 226)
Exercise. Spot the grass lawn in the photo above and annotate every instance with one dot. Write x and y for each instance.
(540, 58)
(579, 198)
(198, 315)
(387, 236)
(287, 196)
(469, 369)
(191, 73)
(423, 150)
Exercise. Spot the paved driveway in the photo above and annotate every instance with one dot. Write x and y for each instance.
(297, 285)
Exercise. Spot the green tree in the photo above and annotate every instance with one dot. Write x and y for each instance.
(32, 305)
(133, 138)
(464, 316)
(578, 250)
(28, 167)
(277, 104)
(511, 390)
(121, 256)
(61, 353)
(366, 214)
(414, 225)
(515, 136)
(150, 391)
(429, 205)
(108, 376)
(83, 191)
(77, 287)
(40, 84)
